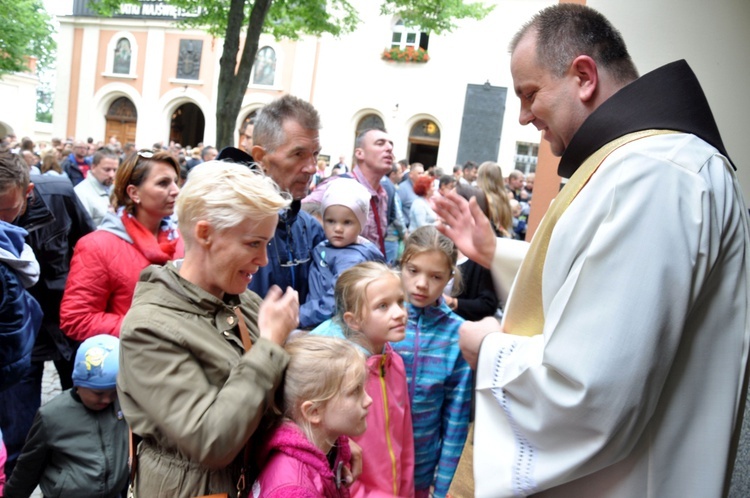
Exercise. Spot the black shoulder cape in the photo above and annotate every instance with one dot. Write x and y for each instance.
(668, 98)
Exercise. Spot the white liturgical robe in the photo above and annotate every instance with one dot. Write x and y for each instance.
(632, 390)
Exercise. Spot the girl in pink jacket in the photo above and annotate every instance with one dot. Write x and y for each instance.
(370, 313)
(324, 402)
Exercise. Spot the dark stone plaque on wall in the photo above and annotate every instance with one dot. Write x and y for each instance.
(482, 123)
(189, 59)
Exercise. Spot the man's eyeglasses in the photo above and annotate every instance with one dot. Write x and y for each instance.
(295, 254)
(290, 260)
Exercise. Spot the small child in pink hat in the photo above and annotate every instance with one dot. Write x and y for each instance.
(345, 207)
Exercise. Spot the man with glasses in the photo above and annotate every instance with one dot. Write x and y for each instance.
(286, 144)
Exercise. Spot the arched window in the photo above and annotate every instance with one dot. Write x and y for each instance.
(370, 121)
(122, 56)
(264, 68)
(425, 131)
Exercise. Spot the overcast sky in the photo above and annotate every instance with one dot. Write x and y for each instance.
(59, 7)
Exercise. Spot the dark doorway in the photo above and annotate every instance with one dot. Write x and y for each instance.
(187, 125)
(422, 153)
(424, 142)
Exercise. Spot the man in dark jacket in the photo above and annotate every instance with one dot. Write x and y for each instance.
(55, 220)
(20, 314)
(291, 162)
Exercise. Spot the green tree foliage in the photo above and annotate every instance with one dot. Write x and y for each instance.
(290, 19)
(45, 95)
(25, 31)
(435, 16)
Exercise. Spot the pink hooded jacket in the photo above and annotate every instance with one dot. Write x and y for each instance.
(3, 458)
(388, 443)
(292, 467)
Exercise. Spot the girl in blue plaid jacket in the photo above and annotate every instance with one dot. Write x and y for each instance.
(439, 378)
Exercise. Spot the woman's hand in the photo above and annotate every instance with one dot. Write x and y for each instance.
(279, 314)
(450, 301)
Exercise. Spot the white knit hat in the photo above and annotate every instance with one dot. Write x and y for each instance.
(350, 193)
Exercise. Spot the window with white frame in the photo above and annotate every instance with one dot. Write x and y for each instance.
(526, 156)
(403, 36)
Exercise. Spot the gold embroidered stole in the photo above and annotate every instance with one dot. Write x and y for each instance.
(524, 314)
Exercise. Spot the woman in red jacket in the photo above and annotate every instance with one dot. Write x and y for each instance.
(107, 263)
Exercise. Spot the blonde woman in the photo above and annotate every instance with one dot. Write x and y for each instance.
(187, 385)
(490, 182)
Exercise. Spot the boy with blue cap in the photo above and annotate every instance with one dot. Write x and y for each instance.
(78, 443)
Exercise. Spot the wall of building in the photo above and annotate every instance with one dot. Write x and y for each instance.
(352, 80)
(713, 37)
(18, 94)
(345, 77)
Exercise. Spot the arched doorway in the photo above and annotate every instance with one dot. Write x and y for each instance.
(424, 142)
(369, 121)
(250, 118)
(5, 130)
(187, 125)
(122, 119)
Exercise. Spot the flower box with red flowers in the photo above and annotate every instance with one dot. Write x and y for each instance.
(409, 54)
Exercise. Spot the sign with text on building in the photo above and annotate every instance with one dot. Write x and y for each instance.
(144, 9)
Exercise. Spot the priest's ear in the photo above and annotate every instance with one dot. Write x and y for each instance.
(586, 73)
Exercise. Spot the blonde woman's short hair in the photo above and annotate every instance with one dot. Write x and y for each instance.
(319, 369)
(226, 194)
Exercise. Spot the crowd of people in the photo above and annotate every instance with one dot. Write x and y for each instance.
(255, 321)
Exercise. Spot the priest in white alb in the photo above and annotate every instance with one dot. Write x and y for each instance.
(619, 365)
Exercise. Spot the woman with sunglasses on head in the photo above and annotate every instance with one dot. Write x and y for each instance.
(201, 354)
(106, 263)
